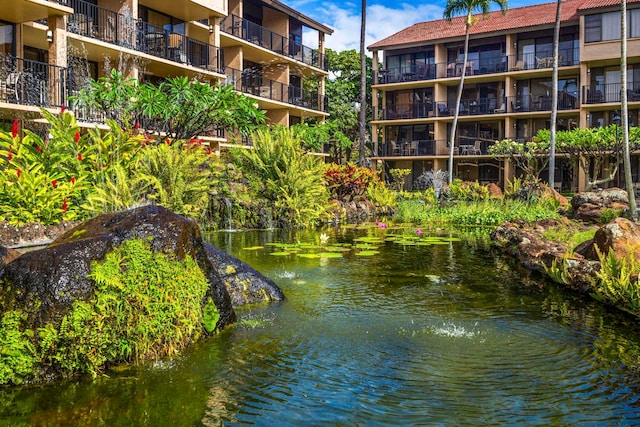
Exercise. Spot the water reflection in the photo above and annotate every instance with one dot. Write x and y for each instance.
(417, 335)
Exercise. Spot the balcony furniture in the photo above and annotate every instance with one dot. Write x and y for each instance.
(155, 43)
(634, 95)
(501, 110)
(411, 148)
(516, 107)
(12, 86)
(477, 147)
(395, 149)
(443, 110)
(519, 66)
(544, 62)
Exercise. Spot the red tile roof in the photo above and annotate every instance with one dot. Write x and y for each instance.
(594, 4)
(517, 18)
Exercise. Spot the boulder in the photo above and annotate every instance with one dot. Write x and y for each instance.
(494, 190)
(525, 241)
(620, 235)
(244, 284)
(45, 282)
(589, 206)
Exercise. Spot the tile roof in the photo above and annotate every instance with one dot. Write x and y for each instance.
(594, 4)
(516, 18)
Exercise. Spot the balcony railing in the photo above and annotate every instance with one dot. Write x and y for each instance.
(534, 103)
(261, 36)
(490, 65)
(609, 92)
(28, 82)
(421, 147)
(254, 84)
(420, 110)
(123, 30)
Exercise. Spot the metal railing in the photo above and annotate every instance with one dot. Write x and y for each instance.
(609, 92)
(487, 65)
(534, 103)
(28, 82)
(261, 36)
(420, 147)
(252, 83)
(123, 30)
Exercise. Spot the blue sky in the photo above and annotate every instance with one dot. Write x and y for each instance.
(384, 17)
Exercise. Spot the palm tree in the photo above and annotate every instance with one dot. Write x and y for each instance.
(362, 118)
(554, 97)
(465, 7)
(625, 111)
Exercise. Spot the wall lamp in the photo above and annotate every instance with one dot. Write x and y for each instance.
(515, 126)
(50, 36)
(515, 86)
(588, 70)
(515, 45)
(210, 28)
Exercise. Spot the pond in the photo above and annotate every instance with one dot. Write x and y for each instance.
(417, 332)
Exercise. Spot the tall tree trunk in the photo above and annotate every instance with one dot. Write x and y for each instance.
(625, 112)
(454, 125)
(362, 118)
(554, 98)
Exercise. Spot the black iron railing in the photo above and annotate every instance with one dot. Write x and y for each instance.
(123, 30)
(253, 83)
(261, 36)
(28, 82)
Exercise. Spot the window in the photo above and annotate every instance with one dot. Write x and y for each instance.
(606, 26)
(6, 38)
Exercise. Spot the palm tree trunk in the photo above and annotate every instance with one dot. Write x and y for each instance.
(554, 98)
(362, 118)
(625, 112)
(454, 125)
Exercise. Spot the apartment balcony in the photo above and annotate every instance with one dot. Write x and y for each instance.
(422, 147)
(122, 30)
(494, 64)
(263, 37)
(253, 84)
(609, 93)
(33, 83)
(542, 103)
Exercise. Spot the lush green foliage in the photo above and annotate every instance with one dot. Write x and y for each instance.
(180, 176)
(482, 213)
(278, 169)
(46, 180)
(17, 353)
(617, 281)
(398, 177)
(177, 108)
(145, 306)
(532, 157)
(467, 191)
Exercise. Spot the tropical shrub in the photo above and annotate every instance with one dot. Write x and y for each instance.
(278, 169)
(47, 179)
(617, 282)
(467, 191)
(349, 182)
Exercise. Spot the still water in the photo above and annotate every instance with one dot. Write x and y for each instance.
(443, 334)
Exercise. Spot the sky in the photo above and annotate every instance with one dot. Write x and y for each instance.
(384, 17)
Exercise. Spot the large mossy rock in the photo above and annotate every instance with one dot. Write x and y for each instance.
(45, 282)
(244, 284)
(590, 205)
(621, 236)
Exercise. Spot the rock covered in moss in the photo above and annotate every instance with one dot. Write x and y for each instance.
(244, 284)
(45, 282)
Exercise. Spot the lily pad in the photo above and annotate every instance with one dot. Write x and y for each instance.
(280, 253)
(330, 255)
(367, 253)
(253, 248)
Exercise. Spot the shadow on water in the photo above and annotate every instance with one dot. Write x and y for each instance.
(441, 334)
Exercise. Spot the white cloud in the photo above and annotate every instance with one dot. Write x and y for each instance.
(382, 21)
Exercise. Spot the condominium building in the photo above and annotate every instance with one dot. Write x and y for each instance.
(507, 88)
(49, 49)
